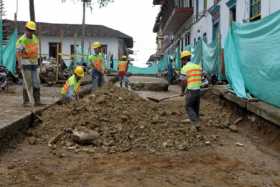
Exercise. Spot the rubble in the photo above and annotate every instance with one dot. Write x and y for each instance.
(111, 124)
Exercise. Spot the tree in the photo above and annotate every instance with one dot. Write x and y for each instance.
(32, 10)
(88, 3)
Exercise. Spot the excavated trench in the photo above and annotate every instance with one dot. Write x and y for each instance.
(135, 142)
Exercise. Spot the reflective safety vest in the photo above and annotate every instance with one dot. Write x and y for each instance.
(122, 66)
(183, 70)
(71, 87)
(194, 73)
(28, 49)
(97, 62)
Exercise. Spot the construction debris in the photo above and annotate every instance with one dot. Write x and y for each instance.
(118, 121)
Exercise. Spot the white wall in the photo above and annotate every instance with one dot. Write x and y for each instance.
(112, 44)
(242, 13)
(205, 24)
(270, 6)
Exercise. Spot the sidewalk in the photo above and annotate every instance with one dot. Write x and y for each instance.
(13, 114)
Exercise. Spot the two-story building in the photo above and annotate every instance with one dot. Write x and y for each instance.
(184, 22)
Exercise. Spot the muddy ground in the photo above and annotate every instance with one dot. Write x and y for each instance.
(142, 143)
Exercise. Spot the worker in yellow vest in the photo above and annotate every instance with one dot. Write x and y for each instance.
(97, 64)
(122, 71)
(193, 85)
(27, 55)
(71, 88)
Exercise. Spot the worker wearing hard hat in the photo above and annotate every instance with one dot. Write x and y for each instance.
(170, 70)
(193, 85)
(27, 55)
(122, 71)
(97, 64)
(71, 88)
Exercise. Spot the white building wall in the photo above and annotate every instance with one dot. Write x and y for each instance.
(112, 44)
(242, 15)
(269, 7)
(242, 10)
(205, 24)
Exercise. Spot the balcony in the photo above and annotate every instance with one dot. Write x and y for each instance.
(176, 19)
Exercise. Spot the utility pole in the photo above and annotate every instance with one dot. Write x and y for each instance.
(32, 10)
(83, 29)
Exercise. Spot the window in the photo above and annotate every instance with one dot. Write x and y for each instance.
(255, 10)
(104, 49)
(197, 9)
(187, 39)
(216, 30)
(182, 45)
(72, 50)
(53, 49)
(232, 11)
(205, 37)
(183, 3)
(205, 5)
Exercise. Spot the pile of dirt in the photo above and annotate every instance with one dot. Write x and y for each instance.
(119, 121)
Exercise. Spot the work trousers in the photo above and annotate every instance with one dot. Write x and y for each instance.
(192, 104)
(32, 78)
(123, 79)
(97, 79)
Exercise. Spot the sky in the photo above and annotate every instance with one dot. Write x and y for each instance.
(133, 17)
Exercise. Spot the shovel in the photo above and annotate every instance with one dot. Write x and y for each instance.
(29, 95)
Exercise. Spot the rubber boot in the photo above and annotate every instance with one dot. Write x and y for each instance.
(36, 95)
(126, 84)
(25, 97)
(121, 83)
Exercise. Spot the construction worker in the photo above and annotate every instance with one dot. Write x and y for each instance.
(71, 88)
(193, 84)
(97, 64)
(170, 70)
(27, 56)
(122, 69)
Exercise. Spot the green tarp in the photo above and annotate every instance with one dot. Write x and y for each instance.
(252, 59)
(9, 54)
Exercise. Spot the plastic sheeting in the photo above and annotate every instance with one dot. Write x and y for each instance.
(252, 59)
(211, 59)
(9, 54)
(151, 70)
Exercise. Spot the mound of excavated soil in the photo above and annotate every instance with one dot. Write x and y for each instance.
(121, 121)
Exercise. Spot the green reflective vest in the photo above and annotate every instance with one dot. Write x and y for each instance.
(71, 87)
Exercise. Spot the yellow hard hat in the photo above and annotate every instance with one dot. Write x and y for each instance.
(124, 57)
(79, 71)
(96, 45)
(185, 54)
(31, 25)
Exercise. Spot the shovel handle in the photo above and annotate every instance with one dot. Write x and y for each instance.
(26, 87)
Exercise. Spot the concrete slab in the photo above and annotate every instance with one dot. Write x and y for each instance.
(233, 98)
(259, 108)
(14, 117)
(141, 83)
(13, 114)
(266, 111)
